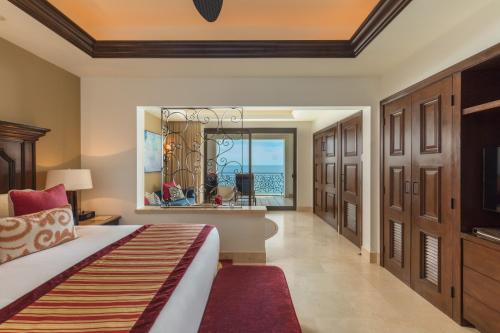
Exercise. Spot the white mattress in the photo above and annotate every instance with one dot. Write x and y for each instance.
(182, 313)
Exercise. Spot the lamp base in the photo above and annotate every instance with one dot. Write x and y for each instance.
(73, 201)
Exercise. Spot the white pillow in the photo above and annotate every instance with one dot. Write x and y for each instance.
(4, 205)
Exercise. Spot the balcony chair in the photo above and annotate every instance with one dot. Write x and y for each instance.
(245, 187)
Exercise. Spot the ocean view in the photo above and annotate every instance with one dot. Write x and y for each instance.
(258, 169)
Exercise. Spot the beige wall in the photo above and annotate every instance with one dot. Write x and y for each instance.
(35, 92)
(109, 114)
(105, 99)
(152, 180)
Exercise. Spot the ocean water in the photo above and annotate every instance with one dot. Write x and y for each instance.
(259, 169)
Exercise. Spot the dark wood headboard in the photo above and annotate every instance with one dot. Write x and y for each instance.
(18, 155)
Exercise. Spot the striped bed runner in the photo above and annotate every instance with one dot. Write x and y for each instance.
(121, 288)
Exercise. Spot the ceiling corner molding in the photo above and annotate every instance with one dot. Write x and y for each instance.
(20, 131)
(383, 13)
(52, 18)
(223, 49)
(377, 20)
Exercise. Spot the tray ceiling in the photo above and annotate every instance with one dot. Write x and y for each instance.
(239, 19)
(245, 29)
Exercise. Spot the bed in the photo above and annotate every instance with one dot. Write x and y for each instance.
(182, 313)
(184, 309)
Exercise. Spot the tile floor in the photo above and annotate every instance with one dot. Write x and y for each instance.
(275, 200)
(335, 290)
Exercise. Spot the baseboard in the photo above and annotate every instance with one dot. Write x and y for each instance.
(305, 209)
(244, 257)
(371, 257)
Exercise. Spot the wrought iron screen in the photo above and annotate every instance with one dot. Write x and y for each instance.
(202, 166)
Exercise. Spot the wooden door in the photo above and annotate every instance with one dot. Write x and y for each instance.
(397, 188)
(318, 175)
(351, 175)
(330, 172)
(431, 260)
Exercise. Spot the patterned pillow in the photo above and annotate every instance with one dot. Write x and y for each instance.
(26, 234)
(153, 199)
(176, 193)
(166, 189)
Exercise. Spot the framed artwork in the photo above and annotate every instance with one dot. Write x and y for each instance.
(152, 152)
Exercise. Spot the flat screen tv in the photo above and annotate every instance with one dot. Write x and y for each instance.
(491, 178)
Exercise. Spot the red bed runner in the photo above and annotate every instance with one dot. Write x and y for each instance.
(121, 288)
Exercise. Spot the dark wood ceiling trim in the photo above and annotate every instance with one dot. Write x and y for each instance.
(378, 19)
(52, 18)
(223, 49)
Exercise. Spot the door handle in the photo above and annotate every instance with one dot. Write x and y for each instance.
(415, 188)
(407, 187)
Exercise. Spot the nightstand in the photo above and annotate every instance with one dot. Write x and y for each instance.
(101, 220)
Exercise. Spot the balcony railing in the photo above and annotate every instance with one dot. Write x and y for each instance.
(264, 183)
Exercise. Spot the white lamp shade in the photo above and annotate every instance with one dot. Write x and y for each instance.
(72, 179)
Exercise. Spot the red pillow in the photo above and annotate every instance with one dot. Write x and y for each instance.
(166, 190)
(36, 201)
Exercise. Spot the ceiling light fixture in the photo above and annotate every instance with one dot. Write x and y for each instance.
(209, 9)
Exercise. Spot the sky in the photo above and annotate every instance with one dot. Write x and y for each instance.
(264, 152)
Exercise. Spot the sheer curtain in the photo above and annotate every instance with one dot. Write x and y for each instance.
(183, 151)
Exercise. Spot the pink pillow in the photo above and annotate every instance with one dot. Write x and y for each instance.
(166, 190)
(36, 201)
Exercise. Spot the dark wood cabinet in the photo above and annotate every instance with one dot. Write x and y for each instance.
(481, 283)
(397, 184)
(431, 173)
(351, 178)
(432, 139)
(318, 175)
(326, 175)
(338, 176)
(101, 220)
(18, 155)
(417, 181)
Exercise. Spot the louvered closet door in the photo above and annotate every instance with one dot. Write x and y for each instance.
(330, 205)
(397, 188)
(318, 175)
(351, 204)
(431, 262)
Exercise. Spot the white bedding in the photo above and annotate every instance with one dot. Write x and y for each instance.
(182, 313)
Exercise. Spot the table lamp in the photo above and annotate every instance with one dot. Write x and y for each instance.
(74, 180)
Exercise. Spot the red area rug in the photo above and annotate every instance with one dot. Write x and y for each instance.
(250, 299)
(225, 263)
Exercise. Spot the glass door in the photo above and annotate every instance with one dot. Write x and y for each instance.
(257, 164)
(272, 163)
